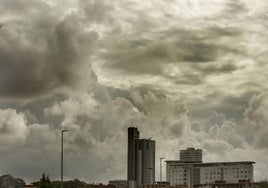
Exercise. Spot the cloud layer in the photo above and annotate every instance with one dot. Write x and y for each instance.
(186, 73)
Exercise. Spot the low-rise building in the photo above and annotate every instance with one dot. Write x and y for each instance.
(8, 181)
(190, 174)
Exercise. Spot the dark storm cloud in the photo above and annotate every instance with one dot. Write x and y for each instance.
(194, 48)
(43, 54)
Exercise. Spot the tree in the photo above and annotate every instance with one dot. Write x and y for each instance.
(45, 182)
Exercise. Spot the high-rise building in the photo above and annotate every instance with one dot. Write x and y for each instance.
(147, 161)
(191, 155)
(132, 154)
(141, 159)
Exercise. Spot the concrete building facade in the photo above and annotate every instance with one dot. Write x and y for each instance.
(192, 174)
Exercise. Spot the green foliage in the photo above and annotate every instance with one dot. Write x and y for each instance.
(262, 184)
(45, 182)
(76, 183)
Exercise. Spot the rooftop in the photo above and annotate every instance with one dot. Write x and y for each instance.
(178, 162)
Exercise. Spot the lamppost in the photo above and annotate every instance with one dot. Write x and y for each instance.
(161, 171)
(62, 131)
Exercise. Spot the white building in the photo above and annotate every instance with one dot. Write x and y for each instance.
(189, 173)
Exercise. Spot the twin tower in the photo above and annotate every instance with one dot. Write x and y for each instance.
(141, 159)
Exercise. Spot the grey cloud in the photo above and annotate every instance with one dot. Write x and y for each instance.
(201, 72)
(217, 118)
(156, 104)
(225, 68)
(255, 121)
(96, 130)
(231, 106)
(234, 8)
(187, 79)
(44, 54)
(145, 98)
(95, 133)
(97, 11)
(257, 108)
(262, 140)
(19, 7)
(178, 125)
(34, 110)
(199, 50)
(218, 147)
(95, 122)
(31, 155)
(161, 110)
(228, 131)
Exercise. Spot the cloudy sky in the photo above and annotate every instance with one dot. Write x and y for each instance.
(188, 73)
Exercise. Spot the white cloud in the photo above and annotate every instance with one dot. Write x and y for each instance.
(13, 128)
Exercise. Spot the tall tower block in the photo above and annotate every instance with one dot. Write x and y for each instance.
(132, 153)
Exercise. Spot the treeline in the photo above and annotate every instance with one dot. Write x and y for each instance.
(261, 184)
(76, 183)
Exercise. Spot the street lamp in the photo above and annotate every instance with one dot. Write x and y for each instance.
(62, 131)
(161, 171)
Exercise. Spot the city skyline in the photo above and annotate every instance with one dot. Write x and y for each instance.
(187, 73)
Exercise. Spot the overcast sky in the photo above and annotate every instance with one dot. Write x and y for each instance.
(188, 73)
